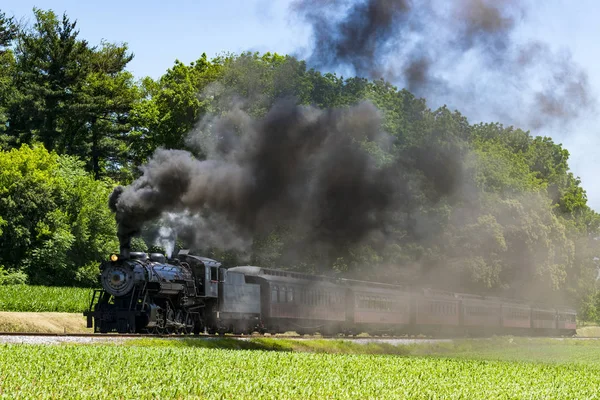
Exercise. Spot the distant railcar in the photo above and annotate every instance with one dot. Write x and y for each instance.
(543, 319)
(480, 315)
(378, 308)
(436, 311)
(516, 317)
(566, 320)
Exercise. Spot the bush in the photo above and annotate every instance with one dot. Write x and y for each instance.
(54, 218)
(12, 277)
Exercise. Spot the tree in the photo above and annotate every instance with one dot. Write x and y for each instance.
(108, 93)
(50, 66)
(8, 32)
(170, 107)
(73, 98)
(54, 222)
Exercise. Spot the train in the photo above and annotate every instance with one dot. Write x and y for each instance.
(146, 293)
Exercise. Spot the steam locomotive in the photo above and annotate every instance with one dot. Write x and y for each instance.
(143, 293)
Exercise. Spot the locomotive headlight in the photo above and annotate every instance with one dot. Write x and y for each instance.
(114, 257)
(118, 280)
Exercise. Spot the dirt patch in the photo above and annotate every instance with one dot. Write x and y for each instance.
(588, 331)
(46, 322)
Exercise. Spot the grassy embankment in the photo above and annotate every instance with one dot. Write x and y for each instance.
(25, 308)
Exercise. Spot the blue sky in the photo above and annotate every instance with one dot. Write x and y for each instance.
(158, 32)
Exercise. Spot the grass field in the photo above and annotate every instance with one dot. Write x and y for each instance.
(503, 348)
(160, 369)
(44, 299)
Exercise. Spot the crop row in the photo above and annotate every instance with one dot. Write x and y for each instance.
(168, 372)
(44, 298)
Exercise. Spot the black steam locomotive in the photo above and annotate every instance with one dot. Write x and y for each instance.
(146, 294)
(142, 293)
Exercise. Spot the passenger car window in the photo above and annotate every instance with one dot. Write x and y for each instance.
(274, 294)
(214, 271)
(282, 294)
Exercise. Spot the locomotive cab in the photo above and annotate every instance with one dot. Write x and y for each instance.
(206, 273)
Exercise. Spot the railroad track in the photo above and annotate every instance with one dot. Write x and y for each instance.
(226, 336)
(203, 336)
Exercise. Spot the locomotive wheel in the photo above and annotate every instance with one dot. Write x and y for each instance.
(223, 330)
(189, 324)
(197, 329)
(170, 319)
(185, 323)
(158, 330)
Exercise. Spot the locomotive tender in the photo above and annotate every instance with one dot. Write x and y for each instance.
(146, 294)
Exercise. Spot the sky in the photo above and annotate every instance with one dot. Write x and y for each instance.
(159, 32)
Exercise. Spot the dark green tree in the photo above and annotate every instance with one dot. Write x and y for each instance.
(73, 98)
(8, 33)
(51, 63)
(108, 93)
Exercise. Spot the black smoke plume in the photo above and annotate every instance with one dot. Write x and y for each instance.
(360, 38)
(465, 53)
(297, 165)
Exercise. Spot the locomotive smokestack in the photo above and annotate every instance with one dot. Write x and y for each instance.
(125, 230)
(124, 247)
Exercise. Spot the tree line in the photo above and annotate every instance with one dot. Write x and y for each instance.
(493, 209)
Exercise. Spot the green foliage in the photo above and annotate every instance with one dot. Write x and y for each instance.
(25, 298)
(50, 66)
(590, 307)
(138, 244)
(71, 97)
(12, 278)
(55, 218)
(170, 107)
(8, 32)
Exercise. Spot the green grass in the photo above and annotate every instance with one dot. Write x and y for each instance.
(269, 344)
(541, 350)
(515, 349)
(44, 298)
(145, 372)
(498, 368)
